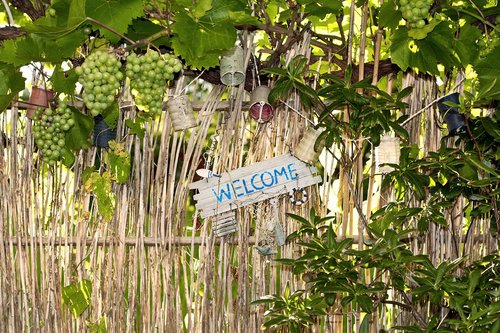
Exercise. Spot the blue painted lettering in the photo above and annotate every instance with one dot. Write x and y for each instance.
(252, 180)
(247, 190)
(292, 171)
(262, 178)
(280, 172)
(236, 188)
(223, 193)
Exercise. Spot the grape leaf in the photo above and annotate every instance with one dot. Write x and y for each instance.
(64, 81)
(111, 115)
(200, 7)
(78, 136)
(119, 162)
(321, 8)
(488, 73)
(389, 17)
(117, 14)
(196, 41)
(466, 46)
(425, 54)
(11, 82)
(100, 186)
(142, 28)
(77, 296)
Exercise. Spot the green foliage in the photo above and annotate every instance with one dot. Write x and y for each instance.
(79, 135)
(77, 296)
(11, 82)
(204, 32)
(119, 162)
(488, 70)
(100, 186)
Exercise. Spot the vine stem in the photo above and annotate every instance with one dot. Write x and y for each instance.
(9, 13)
(107, 27)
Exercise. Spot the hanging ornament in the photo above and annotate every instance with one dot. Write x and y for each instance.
(306, 150)
(102, 133)
(387, 152)
(454, 120)
(181, 113)
(40, 97)
(232, 67)
(260, 109)
(224, 224)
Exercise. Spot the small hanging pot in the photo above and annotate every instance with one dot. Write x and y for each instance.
(387, 152)
(455, 121)
(181, 113)
(40, 97)
(232, 67)
(102, 133)
(260, 109)
(305, 150)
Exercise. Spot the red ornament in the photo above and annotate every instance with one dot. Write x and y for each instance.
(262, 112)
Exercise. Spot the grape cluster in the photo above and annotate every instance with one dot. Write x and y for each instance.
(49, 130)
(147, 74)
(100, 77)
(415, 12)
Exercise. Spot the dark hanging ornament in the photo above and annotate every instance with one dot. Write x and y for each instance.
(102, 133)
(455, 121)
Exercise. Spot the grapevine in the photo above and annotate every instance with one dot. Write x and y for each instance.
(415, 12)
(148, 74)
(100, 77)
(49, 131)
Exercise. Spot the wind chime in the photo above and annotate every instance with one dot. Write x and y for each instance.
(181, 112)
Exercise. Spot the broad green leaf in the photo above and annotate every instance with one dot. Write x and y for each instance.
(76, 12)
(100, 186)
(201, 42)
(78, 136)
(200, 7)
(64, 81)
(117, 14)
(389, 17)
(466, 46)
(11, 82)
(488, 74)
(111, 115)
(426, 54)
(119, 162)
(491, 128)
(99, 327)
(142, 28)
(421, 33)
(136, 127)
(77, 296)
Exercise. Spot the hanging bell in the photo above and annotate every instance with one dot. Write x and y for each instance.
(181, 113)
(455, 121)
(232, 67)
(260, 109)
(387, 152)
(306, 150)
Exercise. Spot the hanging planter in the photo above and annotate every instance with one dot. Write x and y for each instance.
(387, 152)
(40, 97)
(102, 133)
(305, 150)
(225, 224)
(181, 113)
(260, 109)
(454, 120)
(232, 67)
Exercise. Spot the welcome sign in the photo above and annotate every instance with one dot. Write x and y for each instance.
(251, 184)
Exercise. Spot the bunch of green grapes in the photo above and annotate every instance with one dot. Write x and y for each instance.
(100, 77)
(415, 12)
(50, 128)
(148, 74)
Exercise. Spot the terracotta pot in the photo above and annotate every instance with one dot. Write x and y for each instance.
(260, 109)
(232, 67)
(454, 120)
(181, 113)
(40, 97)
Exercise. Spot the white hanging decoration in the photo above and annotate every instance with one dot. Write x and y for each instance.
(181, 113)
(224, 224)
(387, 152)
(305, 150)
(232, 67)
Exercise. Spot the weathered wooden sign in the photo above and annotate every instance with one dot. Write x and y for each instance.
(251, 184)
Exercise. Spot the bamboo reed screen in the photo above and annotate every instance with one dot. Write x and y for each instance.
(156, 266)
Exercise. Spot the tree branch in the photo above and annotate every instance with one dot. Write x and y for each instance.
(27, 7)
